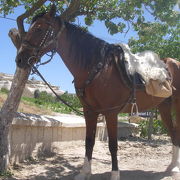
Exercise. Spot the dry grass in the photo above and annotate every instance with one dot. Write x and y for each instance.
(27, 107)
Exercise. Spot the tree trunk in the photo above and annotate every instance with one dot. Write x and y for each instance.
(4, 147)
(7, 113)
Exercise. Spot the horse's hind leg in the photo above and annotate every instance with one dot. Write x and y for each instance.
(165, 111)
(91, 123)
(174, 131)
(175, 164)
(111, 121)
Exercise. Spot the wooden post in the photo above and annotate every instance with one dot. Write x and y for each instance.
(150, 125)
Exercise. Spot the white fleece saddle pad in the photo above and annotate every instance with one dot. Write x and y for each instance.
(146, 63)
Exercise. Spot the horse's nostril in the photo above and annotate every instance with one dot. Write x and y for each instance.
(19, 60)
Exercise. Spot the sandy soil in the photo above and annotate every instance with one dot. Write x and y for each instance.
(138, 160)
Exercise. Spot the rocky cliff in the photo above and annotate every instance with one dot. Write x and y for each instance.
(31, 86)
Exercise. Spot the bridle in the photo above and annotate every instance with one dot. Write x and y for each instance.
(50, 35)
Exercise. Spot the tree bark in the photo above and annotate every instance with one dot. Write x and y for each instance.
(4, 147)
(7, 113)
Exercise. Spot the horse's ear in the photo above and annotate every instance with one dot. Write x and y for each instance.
(52, 11)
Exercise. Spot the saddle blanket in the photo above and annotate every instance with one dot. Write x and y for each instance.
(151, 68)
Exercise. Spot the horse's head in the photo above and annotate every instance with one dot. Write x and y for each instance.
(41, 38)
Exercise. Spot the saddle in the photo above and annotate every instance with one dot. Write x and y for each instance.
(136, 81)
(131, 81)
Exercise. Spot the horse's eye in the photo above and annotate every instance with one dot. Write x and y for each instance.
(37, 30)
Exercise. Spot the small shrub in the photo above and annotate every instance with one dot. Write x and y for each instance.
(72, 99)
(46, 100)
(143, 128)
(4, 90)
(6, 174)
(158, 127)
(36, 94)
(45, 97)
(123, 114)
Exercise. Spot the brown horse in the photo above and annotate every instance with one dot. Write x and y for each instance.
(98, 83)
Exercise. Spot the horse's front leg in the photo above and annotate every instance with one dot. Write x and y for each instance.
(111, 120)
(91, 124)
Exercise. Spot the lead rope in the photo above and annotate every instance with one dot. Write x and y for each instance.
(35, 70)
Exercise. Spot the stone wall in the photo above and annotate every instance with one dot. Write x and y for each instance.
(31, 135)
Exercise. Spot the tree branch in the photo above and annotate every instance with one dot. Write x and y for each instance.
(149, 11)
(15, 37)
(28, 13)
(71, 11)
(127, 29)
(87, 12)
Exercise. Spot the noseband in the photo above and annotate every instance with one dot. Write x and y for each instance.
(49, 34)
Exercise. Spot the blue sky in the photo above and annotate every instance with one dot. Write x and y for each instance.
(55, 72)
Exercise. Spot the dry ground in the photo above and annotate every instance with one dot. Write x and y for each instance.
(138, 160)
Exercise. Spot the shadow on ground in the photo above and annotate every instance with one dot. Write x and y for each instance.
(127, 175)
(52, 174)
(65, 167)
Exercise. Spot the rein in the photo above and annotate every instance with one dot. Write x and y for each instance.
(35, 70)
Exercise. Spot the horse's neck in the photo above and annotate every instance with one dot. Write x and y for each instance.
(63, 50)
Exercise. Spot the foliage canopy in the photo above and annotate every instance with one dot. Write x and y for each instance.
(155, 21)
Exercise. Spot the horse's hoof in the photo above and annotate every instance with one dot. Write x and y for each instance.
(173, 169)
(115, 175)
(175, 175)
(174, 172)
(82, 176)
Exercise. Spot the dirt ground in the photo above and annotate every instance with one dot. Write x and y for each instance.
(138, 160)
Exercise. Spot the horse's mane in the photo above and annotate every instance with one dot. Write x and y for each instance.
(37, 16)
(86, 48)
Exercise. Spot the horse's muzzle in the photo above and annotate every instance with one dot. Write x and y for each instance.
(24, 60)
